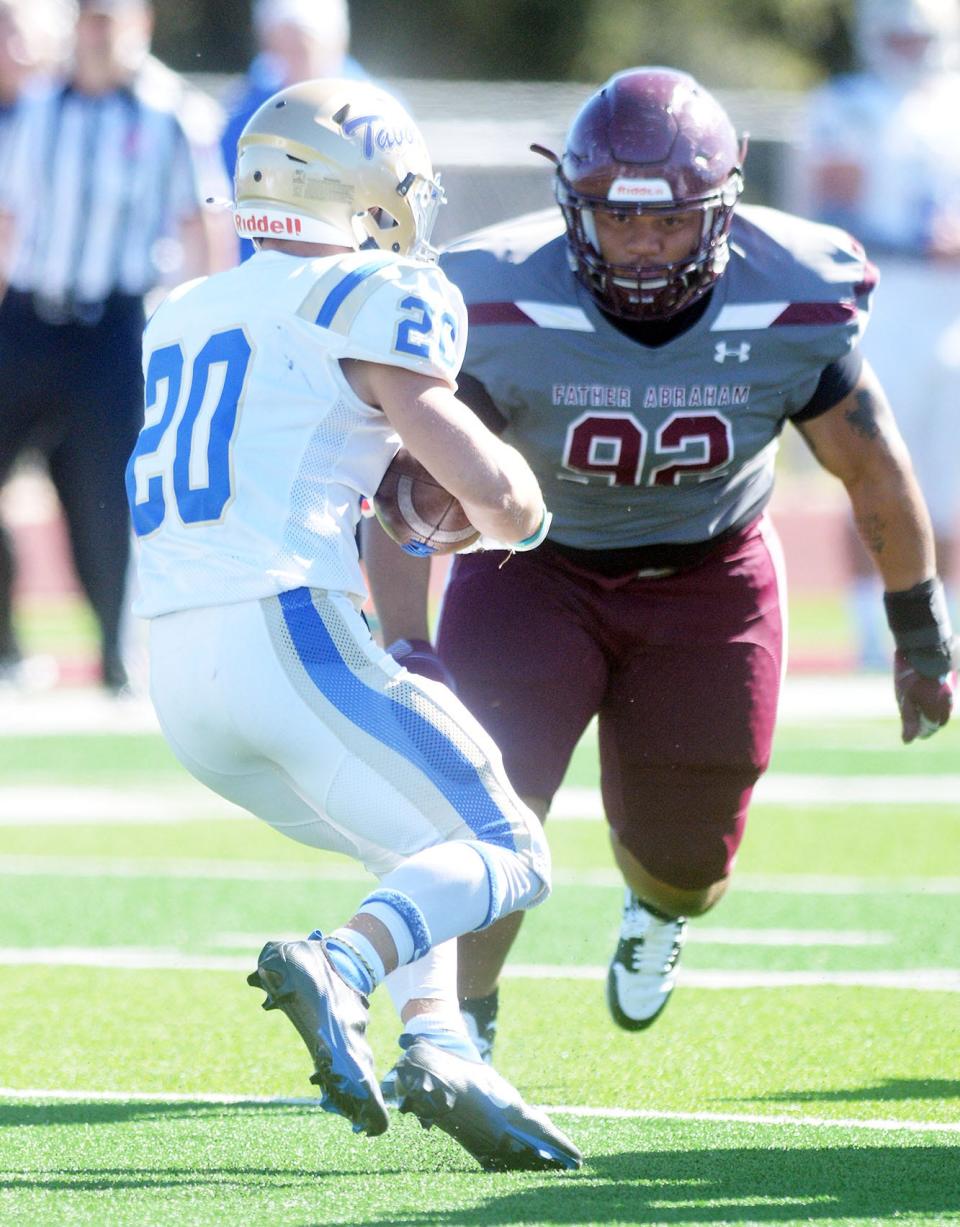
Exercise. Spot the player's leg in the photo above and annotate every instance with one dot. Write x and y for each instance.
(515, 637)
(685, 733)
(105, 403)
(21, 371)
(434, 893)
(483, 954)
(392, 770)
(465, 1006)
(392, 765)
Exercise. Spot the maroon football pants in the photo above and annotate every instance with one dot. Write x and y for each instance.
(683, 673)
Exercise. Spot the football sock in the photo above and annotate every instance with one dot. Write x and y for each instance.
(355, 958)
(446, 1030)
(654, 911)
(433, 977)
(483, 1009)
(436, 894)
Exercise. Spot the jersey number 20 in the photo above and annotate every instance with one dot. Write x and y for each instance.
(200, 459)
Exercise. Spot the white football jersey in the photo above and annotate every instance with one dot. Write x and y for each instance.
(255, 452)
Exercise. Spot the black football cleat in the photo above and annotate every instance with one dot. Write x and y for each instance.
(331, 1018)
(479, 1017)
(480, 1110)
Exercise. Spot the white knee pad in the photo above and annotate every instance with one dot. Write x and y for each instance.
(517, 880)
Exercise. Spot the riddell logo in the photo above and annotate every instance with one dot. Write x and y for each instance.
(262, 224)
(640, 189)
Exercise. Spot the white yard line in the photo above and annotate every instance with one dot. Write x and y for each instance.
(175, 867)
(843, 884)
(805, 699)
(138, 958)
(890, 1125)
(792, 789)
(73, 710)
(714, 935)
(750, 1118)
(933, 980)
(32, 805)
(34, 865)
(697, 934)
(36, 805)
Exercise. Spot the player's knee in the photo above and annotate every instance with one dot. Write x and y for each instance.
(684, 827)
(694, 858)
(519, 877)
(694, 866)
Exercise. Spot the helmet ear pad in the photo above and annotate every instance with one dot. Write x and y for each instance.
(336, 162)
(651, 140)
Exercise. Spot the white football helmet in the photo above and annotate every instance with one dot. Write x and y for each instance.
(904, 40)
(337, 162)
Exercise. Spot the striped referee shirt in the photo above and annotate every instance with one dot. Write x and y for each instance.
(96, 183)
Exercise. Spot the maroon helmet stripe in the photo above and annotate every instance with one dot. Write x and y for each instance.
(497, 313)
(816, 313)
(869, 282)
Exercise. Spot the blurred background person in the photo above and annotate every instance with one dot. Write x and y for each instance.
(297, 40)
(101, 200)
(882, 160)
(33, 38)
(33, 41)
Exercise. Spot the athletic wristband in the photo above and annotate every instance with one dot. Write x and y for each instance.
(514, 547)
(920, 623)
(536, 537)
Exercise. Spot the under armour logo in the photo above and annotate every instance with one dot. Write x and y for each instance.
(722, 351)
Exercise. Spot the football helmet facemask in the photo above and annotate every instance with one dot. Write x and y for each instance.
(338, 162)
(649, 141)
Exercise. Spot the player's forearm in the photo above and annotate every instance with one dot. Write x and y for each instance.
(493, 482)
(507, 505)
(398, 584)
(858, 441)
(893, 524)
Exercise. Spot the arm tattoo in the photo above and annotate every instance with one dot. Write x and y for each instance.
(863, 419)
(872, 529)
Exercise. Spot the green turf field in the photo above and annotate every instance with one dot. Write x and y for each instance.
(806, 1071)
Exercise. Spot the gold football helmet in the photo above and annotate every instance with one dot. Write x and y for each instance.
(339, 162)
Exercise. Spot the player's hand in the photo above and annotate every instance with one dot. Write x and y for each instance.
(925, 702)
(419, 657)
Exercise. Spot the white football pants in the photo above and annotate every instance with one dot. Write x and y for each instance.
(287, 707)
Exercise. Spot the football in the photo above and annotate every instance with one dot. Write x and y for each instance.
(417, 512)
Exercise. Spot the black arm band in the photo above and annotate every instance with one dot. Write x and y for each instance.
(920, 623)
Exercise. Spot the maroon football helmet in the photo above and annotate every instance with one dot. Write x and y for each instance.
(651, 141)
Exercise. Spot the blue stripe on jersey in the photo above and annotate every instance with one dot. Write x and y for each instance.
(334, 300)
(392, 723)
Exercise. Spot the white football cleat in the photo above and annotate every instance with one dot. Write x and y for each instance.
(643, 970)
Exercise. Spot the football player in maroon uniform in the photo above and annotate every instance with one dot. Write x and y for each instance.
(643, 350)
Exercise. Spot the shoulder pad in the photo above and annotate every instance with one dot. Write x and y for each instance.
(390, 310)
(809, 280)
